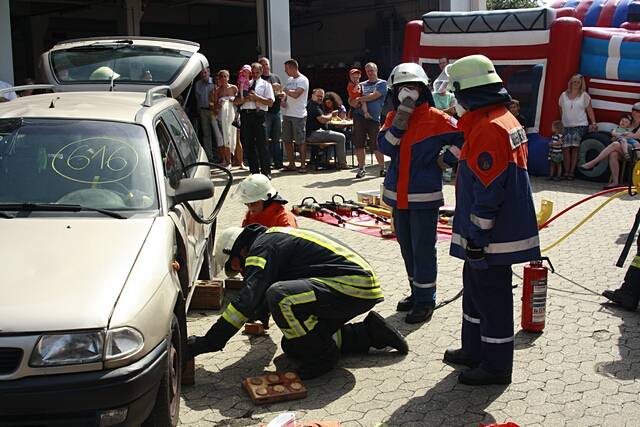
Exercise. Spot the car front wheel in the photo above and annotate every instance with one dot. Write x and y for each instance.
(166, 410)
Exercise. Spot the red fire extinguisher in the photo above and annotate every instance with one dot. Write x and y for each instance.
(534, 295)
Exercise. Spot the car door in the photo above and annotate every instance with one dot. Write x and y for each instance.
(129, 64)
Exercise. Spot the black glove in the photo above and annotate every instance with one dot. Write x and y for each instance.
(401, 119)
(215, 339)
(475, 257)
(262, 315)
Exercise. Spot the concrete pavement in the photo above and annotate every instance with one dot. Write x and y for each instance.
(582, 371)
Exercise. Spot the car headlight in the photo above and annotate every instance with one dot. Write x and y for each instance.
(122, 342)
(68, 349)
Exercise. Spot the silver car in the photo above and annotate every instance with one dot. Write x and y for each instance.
(107, 219)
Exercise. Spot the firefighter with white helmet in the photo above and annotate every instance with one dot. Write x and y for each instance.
(495, 222)
(264, 205)
(312, 285)
(104, 73)
(413, 135)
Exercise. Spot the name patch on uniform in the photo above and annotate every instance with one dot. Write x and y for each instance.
(517, 136)
(485, 161)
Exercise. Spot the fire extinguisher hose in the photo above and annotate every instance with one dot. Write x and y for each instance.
(587, 218)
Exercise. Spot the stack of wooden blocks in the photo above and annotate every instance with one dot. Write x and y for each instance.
(207, 295)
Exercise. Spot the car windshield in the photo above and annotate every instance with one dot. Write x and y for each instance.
(96, 164)
(123, 61)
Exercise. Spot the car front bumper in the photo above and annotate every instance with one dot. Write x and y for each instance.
(79, 399)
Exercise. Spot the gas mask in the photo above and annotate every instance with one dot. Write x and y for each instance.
(405, 92)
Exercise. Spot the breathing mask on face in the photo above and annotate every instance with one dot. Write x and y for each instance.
(405, 92)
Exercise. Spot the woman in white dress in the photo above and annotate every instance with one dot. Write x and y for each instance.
(225, 113)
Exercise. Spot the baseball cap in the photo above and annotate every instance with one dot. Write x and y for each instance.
(355, 71)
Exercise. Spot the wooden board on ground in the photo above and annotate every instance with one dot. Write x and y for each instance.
(207, 295)
(274, 387)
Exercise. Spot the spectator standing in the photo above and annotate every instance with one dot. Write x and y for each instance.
(26, 82)
(442, 98)
(224, 96)
(253, 109)
(514, 108)
(317, 129)
(294, 114)
(575, 106)
(273, 118)
(9, 95)
(374, 91)
(203, 87)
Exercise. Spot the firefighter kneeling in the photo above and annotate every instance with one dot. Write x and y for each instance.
(312, 285)
(495, 220)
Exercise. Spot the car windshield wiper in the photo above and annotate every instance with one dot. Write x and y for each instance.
(57, 207)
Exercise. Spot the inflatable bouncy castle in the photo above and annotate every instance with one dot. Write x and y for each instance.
(536, 51)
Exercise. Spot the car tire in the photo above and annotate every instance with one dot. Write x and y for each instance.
(208, 269)
(590, 147)
(166, 411)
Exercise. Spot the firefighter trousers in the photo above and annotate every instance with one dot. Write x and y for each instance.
(313, 317)
(487, 311)
(416, 230)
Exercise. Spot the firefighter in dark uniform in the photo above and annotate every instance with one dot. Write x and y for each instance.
(495, 220)
(312, 285)
(628, 294)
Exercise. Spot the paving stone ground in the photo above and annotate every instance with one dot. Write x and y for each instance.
(582, 371)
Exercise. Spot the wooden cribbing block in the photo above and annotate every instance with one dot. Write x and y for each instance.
(254, 329)
(207, 295)
(274, 387)
(233, 282)
(189, 373)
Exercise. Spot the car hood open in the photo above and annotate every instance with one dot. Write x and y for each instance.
(63, 274)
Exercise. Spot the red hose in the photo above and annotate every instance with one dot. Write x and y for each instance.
(599, 193)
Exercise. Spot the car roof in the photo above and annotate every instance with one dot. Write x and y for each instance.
(113, 106)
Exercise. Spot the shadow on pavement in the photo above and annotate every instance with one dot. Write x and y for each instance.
(525, 340)
(628, 367)
(448, 403)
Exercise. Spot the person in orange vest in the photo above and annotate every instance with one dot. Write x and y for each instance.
(264, 205)
(495, 220)
(413, 136)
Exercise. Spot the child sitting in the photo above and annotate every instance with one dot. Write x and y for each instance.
(619, 135)
(555, 151)
(355, 90)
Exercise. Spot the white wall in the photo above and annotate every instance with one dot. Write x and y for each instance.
(6, 64)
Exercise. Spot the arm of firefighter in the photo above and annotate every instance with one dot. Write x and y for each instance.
(220, 333)
(260, 269)
(490, 169)
(454, 140)
(389, 137)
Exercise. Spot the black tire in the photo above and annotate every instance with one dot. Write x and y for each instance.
(166, 411)
(592, 144)
(208, 269)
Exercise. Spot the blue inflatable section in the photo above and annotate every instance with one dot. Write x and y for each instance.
(595, 52)
(538, 161)
(572, 3)
(591, 18)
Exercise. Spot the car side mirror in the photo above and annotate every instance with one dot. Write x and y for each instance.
(192, 189)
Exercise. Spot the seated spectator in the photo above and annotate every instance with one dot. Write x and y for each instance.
(264, 205)
(8, 96)
(442, 98)
(514, 107)
(317, 127)
(332, 102)
(614, 152)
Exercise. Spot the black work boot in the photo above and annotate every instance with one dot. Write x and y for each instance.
(420, 312)
(405, 304)
(457, 357)
(382, 334)
(480, 376)
(623, 298)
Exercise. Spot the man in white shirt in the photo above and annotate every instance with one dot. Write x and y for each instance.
(294, 113)
(252, 115)
(8, 96)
